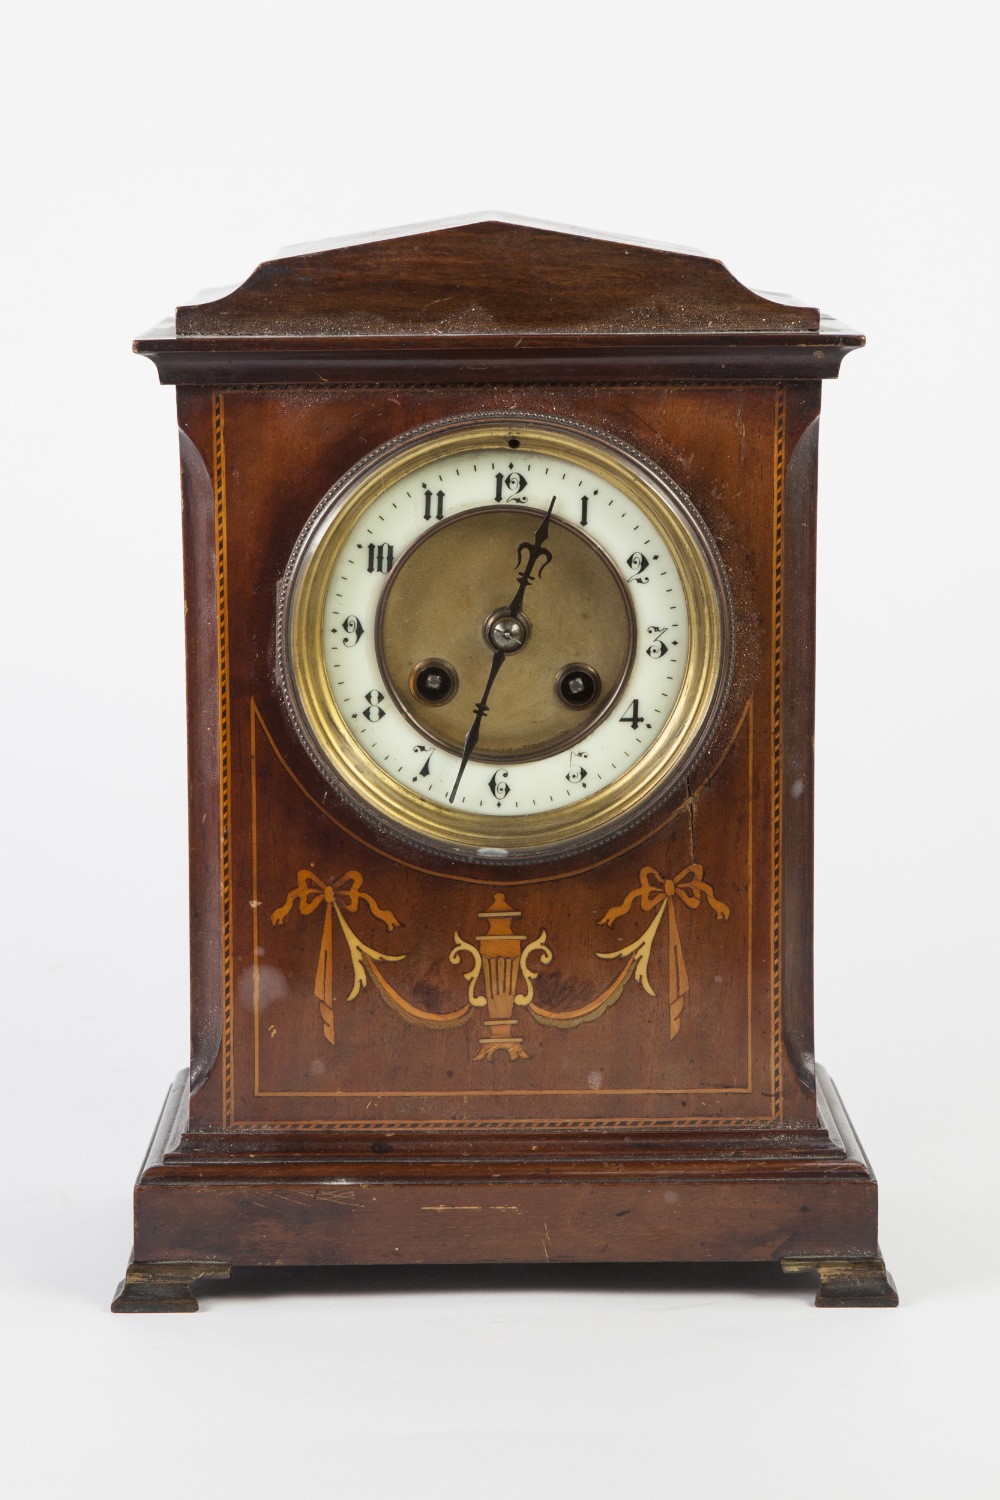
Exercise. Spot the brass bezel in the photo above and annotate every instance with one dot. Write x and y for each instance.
(341, 759)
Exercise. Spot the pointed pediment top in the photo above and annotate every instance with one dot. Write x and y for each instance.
(489, 275)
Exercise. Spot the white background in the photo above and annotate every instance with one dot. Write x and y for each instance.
(841, 152)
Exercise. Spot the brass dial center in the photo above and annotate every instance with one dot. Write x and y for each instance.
(440, 606)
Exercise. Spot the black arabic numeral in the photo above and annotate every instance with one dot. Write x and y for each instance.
(577, 775)
(374, 712)
(633, 715)
(499, 786)
(353, 630)
(637, 565)
(514, 484)
(659, 646)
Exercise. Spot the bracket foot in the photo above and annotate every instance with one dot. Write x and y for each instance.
(163, 1286)
(847, 1282)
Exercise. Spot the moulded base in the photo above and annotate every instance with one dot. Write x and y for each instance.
(804, 1199)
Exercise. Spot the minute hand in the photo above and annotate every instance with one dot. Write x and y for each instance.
(535, 550)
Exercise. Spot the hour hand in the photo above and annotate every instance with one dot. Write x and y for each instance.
(539, 553)
(533, 552)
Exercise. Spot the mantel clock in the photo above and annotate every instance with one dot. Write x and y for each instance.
(499, 561)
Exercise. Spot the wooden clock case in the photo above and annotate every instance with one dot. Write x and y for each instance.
(646, 1090)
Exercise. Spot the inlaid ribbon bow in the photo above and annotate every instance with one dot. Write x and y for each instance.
(344, 894)
(654, 893)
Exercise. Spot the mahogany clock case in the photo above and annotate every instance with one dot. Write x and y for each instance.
(401, 1055)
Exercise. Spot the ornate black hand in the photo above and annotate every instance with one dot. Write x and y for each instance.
(472, 738)
(535, 550)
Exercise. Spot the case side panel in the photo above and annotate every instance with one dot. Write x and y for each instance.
(798, 548)
(194, 413)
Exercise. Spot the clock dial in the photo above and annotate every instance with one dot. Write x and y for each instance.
(506, 637)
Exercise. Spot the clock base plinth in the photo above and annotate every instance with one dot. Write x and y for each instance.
(805, 1199)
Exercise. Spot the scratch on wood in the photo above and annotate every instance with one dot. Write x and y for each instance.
(305, 1199)
(451, 1208)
